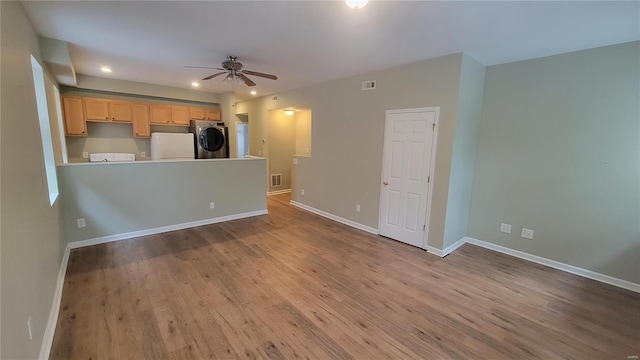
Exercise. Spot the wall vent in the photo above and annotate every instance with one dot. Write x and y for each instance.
(275, 98)
(276, 180)
(368, 85)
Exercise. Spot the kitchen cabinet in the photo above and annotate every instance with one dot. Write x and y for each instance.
(214, 114)
(74, 123)
(107, 110)
(197, 113)
(140, 118)
(160, 114)
(180, 115)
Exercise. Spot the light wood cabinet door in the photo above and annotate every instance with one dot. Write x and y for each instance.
(96, 109)
(197, 113)
(214, 114)
(74, 123)
(180, 115)
(120, 111)
(140, 117)
(160, 114)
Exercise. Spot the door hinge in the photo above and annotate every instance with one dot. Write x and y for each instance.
(433, 127)
(424, 227)
(428, 179)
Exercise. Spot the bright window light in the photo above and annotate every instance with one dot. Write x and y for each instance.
(45, 130)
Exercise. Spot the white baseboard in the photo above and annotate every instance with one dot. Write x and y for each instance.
(278, 192)
(162, 229)
(335, 217)
(557, 265)
(448, 250)
(49, 331)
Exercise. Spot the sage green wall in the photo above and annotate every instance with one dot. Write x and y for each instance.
(559, 153)
(282, 143)
(117, 198)
(131, 87)
(348, 130)
(303, 132)
(31, 243)
(465, 143)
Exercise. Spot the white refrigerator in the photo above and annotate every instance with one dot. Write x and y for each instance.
(172, 146)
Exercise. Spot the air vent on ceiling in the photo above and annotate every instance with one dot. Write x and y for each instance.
(274, 98)
(276, 180)
(368, 85)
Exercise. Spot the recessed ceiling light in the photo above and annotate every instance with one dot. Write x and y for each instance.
(105, 69)
(253, 92)
(289, 112)
(195, 84)
(356, 4)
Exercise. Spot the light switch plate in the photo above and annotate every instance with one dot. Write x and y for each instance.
(295, 161)
(85, 154)
(81, 223)
(505, 228)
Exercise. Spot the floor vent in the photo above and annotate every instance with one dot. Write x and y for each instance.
(276, 180)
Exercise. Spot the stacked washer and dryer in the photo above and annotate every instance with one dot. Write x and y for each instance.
(211, 139)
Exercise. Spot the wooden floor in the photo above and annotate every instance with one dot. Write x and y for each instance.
(294, 285)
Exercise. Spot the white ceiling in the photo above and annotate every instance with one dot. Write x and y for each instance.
(308, 42)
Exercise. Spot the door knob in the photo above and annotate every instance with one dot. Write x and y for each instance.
(385, 183)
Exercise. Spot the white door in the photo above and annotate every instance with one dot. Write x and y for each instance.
(407, 164)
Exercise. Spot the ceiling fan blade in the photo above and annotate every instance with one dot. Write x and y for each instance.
(254, 73)
(247, 80)
(214, 75)
(202, 67)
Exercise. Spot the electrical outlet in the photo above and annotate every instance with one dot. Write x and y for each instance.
(81, 223)
(85, 154)
(527, 233)
(505, 228)
(357, 208)
(212, 205)
(143, 154)
(29, 328)
(302, 192)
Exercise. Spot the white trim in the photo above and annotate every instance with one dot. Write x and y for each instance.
(434, 251)
(278, 192)
(335, 217)
(49, 331)
(557, 265)
(162, 229)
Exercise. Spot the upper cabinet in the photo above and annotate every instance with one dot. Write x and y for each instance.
(160, 114)
(107, 110)
(197, 113)
(140, 117)
(180, 115)
(74, 121)
(205, 114)
(214, 114)
(79, 110)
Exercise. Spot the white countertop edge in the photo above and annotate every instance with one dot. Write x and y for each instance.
(159, 161)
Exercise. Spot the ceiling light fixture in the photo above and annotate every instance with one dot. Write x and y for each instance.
(195, 84)
(106, 69)
(289, 112)
(253, 92)
(356, 4)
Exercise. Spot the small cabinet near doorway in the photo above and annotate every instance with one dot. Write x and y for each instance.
(74, 124)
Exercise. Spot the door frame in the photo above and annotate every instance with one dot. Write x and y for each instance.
(432, 165)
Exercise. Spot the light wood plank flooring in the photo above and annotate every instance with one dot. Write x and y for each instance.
(292, 285)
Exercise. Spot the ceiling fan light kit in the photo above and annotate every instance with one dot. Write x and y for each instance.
(233, 68)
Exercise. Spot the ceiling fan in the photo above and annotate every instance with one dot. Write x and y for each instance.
(233, 68)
